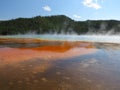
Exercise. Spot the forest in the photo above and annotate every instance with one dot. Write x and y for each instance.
(59, 24)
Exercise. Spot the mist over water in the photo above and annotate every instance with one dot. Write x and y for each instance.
(100, 35)
(62, 37)
(48, 65)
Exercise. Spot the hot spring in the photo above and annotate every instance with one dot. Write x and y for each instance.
(59, 62)
(90, 38)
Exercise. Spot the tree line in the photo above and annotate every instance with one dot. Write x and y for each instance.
(59, 24)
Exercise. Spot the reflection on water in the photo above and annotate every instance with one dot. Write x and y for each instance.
(31, 64)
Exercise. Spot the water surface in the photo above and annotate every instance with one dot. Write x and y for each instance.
(90, 38)
(32, 64)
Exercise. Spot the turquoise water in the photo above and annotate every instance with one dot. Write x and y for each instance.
(92, 38)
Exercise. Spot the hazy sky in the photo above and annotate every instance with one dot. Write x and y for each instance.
(75, 9)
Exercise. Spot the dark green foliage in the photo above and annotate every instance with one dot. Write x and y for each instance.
(80, 27)
(56, 24)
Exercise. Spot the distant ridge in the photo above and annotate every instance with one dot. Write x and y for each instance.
(59, 24)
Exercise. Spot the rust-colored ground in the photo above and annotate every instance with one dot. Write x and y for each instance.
(50, 52)
(33, 64)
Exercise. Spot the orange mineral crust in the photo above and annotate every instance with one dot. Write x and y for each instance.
(50, 52)
(19, 40)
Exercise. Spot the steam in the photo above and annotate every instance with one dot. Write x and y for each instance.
(102, 30)
(87, 38)
(100, 35)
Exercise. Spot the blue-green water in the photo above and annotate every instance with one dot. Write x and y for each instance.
(92, 38)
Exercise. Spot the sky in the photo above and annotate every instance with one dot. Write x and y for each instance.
(79, 10)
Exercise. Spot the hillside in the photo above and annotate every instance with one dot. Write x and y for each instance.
(57, 24)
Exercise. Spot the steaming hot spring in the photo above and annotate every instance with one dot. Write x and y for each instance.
(60, 62)
(89, 38)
